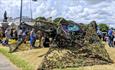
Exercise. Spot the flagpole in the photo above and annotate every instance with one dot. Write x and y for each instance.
(21, 12)
(31, 12)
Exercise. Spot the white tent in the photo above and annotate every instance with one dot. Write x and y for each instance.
(10, 23)
(0, 24)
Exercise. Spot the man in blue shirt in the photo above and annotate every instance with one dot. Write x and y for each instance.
(110, 35)
(32, 38)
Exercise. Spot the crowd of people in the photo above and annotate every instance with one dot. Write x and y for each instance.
(108, 36)
(22, 35)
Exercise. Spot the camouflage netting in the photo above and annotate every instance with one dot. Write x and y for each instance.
(86, 50)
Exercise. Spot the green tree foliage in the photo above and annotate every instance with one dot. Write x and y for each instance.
(70, 21)
(62, 20)
(103, 27)
(40, 18)
(59, 20)
(5, 17)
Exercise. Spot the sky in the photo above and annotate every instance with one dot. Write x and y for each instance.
(81, 11)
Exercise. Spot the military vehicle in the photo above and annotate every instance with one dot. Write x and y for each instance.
(64, 33)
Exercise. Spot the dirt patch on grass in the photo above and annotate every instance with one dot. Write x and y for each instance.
(34, 56)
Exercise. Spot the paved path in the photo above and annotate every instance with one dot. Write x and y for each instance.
(5, 64)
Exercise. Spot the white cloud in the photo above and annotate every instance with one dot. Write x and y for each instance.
(94, 1)
(77, 10)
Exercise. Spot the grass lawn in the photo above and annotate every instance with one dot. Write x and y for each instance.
(15, 59)
(25, 60)
(34, 56)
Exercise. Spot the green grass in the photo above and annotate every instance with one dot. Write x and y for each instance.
(15, 59)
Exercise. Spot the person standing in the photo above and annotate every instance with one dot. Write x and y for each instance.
(32, 38)
(11, 33)
(24, 35)
(15, 34)
(99, 33)
(53, 33)
(46, 42)
(114, 38)
(20, 39)
(110, 35)
(7, 35)
(39, 36)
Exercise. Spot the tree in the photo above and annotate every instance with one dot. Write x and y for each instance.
(59, 20)
(71, 21)
(41, 18)
(103, 27)
(5, 17)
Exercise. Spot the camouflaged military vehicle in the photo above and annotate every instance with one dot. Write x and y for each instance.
(64, 34)
(77, 45)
